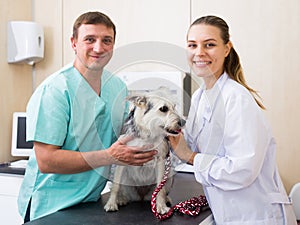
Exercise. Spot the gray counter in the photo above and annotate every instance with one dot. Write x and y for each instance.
(135, 213)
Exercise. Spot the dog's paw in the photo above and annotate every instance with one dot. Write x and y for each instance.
(162, 208)
(168, 201)
(111, 206)
(122, 200)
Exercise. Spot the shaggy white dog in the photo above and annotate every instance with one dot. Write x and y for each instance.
(151, 119)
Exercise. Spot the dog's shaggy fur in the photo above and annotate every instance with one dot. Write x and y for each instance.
(151, 119)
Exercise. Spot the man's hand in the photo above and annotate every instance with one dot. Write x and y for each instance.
(130, 155)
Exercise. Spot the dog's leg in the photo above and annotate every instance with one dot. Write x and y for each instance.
(112, 203)
(161, 200)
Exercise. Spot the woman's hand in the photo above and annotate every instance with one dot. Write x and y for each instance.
(130, 155)
(181, 148)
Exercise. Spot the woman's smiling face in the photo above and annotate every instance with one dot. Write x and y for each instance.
(206, 51)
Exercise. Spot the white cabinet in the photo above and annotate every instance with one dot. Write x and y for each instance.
(9, 189)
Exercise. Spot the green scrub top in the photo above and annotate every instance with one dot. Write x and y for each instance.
(65, 111)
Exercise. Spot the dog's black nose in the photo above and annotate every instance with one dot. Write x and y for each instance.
(181, 122)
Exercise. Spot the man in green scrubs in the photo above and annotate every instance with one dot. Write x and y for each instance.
(74, 119)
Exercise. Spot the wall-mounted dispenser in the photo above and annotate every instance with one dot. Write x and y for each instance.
(25, 42)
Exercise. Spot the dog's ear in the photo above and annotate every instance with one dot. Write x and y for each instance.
(137, 100)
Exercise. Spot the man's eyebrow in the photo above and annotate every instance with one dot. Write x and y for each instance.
(110, 37)
(94, 36)
(89, 36)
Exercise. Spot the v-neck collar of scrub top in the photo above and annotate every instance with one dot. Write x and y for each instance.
(105, 76)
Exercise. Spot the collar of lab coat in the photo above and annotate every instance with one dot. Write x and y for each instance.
(212, 96)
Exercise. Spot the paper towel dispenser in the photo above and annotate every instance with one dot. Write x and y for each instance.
(25, 42)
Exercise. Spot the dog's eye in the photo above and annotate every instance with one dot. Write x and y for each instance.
(164, 109)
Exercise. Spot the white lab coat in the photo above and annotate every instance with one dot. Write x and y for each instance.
(236, 162)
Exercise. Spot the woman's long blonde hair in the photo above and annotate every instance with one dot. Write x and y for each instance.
(232, 63)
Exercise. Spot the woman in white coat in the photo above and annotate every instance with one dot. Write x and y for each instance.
(227, 138)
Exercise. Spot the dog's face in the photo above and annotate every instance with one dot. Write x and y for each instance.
(155, 114)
